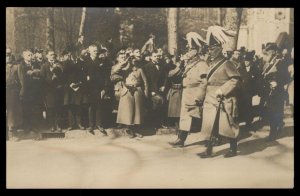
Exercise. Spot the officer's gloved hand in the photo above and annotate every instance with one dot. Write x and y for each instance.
(219, 95)
(199, 102)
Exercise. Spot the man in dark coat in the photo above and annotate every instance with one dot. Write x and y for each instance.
(13, 103)
(248, 88)
(220, 104)
(28, 75)
(274, 79)
(72, 90)
(84, 103)
(97, 80)
(37, 90)
(51, 75)
(156, 77)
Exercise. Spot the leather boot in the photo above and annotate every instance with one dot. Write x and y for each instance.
(233, 149)
(181, 139)
(208, 152)
(179, 142)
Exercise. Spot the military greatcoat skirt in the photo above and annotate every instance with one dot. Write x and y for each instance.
(225, 78)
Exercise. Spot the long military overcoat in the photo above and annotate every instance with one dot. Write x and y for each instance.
(194, 87)
(225, 78)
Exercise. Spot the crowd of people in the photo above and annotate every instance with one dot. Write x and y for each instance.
(204, 89)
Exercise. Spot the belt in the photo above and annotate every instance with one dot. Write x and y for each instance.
(177, 86)
(191, 85)
(214, 84)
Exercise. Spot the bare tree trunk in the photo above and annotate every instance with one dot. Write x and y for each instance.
(232, 21)
(239, 20)
(222, 16)
(172, 30)
(10, 28)
(82, 23)
(50, 29)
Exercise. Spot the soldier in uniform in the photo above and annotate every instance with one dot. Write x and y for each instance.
(193, 94)
(174, 95)
(220, 104)
(13, 103)
(133, 91)
(274, 79)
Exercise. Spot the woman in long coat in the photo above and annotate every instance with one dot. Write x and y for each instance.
(133, 90)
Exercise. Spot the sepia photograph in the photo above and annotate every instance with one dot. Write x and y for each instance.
(139, 97)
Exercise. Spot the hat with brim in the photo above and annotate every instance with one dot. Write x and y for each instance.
(270, 46)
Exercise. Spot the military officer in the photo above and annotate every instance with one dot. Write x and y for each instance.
(194, 87)
(220, 104)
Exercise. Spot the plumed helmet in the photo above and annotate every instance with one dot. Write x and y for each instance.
(194, 40)
(217, 35)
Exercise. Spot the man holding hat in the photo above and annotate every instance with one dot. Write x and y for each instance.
(194, 87)
(220, 104)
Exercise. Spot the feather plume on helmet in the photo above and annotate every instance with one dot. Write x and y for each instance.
(194, 40)
(217, 35)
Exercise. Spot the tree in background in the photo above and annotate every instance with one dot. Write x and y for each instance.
(232, 18)
(50, 29)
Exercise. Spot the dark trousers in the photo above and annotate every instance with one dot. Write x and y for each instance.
(275, 120)
(84, 115)
(74, 115)
(32, 116)
(54, 116)
(95, 115)
(156, 117)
